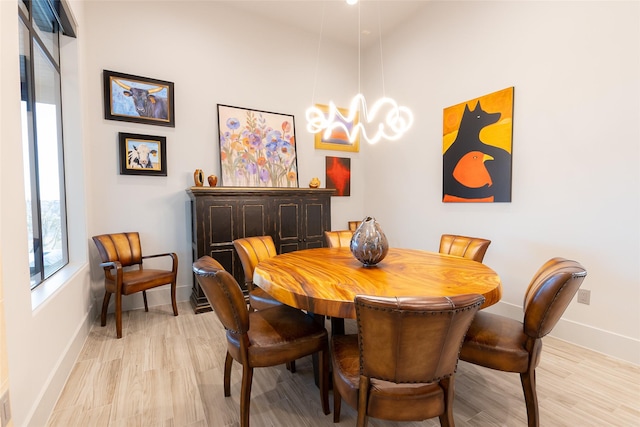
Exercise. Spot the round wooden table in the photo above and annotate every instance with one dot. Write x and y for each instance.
(325, 281)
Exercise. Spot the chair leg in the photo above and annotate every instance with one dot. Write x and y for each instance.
(291, 366)
(324, 381)
(528, 380)
(446, 419)
(118, 314)
(337, 403)
(173, 298)
(144, 297)
(228, 361)
(245, 395)
(363, 397)
(105, 305)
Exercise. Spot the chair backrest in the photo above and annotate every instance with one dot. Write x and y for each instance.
(412, 339)
(223, 293)
(549, 294)
(251, 251)
(353, 225)
(338, 239)
(122, 247)
(468, 247)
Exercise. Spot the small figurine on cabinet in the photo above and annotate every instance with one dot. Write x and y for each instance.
(314, 183)
(198, 177)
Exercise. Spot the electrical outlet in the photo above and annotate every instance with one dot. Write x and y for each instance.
(584, 296)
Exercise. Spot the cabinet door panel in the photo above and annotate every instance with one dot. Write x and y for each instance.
(221, 224)
(253, 220)
(314, 220)
(225, 256)
(288, 221)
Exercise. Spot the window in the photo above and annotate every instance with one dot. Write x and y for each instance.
(41, 22)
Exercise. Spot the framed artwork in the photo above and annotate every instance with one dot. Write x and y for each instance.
(257, 148)
(338, 139)
(142, 154)
(338, 175)
(138, 99)
(477, 147)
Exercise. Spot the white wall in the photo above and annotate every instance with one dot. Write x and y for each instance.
(576, 140)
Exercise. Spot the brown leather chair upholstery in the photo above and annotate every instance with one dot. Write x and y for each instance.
(468, 247)
(261, 338)
(505, 344)
(120, 251)
(401, 365)
(353, 225)
(251, 251)
(338, 239)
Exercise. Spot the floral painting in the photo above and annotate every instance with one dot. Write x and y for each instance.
(257, 148)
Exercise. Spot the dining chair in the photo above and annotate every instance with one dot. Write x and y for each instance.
(353, 225)
(121, 255)
(261, 338)
(468, 247)
(338, 239)
(401, 364)
(504, 344)
(251, 251)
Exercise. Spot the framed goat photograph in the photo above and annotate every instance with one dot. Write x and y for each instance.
(137, 99)
(142, 154)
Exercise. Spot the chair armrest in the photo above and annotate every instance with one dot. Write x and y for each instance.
(111, 264)
(173, 256)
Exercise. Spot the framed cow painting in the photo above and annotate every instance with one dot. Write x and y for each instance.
(142, 154)
(137, 99)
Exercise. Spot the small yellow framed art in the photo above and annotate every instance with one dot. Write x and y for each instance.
(339, 139)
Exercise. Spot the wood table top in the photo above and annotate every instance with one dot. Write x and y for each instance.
(326, 280)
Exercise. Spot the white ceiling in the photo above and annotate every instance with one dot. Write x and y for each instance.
(340, 22)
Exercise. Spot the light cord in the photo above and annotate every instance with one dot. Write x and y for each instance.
(381, 60)
(315, 77)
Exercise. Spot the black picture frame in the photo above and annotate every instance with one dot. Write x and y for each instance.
(130, 98)
(132, 155)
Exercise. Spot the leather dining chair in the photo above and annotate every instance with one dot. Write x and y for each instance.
(504, 344)
(353, 225)
(401, 364)
(251, 251)
(121, 255)
(261, 338)
(338, 239)
(468, 247)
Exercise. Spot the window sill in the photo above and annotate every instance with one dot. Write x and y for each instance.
(49, 287)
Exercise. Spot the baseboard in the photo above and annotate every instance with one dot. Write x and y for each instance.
(605, 342)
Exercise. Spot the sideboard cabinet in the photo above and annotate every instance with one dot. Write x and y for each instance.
(295, 218)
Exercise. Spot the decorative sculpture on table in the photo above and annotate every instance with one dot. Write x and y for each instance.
(369, 244)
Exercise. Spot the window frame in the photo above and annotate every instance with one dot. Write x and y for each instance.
(36, 49)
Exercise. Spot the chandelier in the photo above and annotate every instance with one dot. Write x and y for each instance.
(384, 120)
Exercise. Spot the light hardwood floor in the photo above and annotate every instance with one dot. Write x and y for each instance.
(167, 371)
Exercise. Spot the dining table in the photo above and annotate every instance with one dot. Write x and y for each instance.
(324, 281)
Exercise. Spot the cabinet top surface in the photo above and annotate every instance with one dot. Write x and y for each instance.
(256, 191)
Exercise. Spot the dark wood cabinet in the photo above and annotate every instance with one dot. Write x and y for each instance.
(295, 218)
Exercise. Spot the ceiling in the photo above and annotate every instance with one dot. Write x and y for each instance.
(340, 22)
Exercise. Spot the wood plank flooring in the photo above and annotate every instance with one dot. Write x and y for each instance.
(167, 371)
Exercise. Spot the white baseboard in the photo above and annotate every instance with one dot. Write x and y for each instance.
(605, 342)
